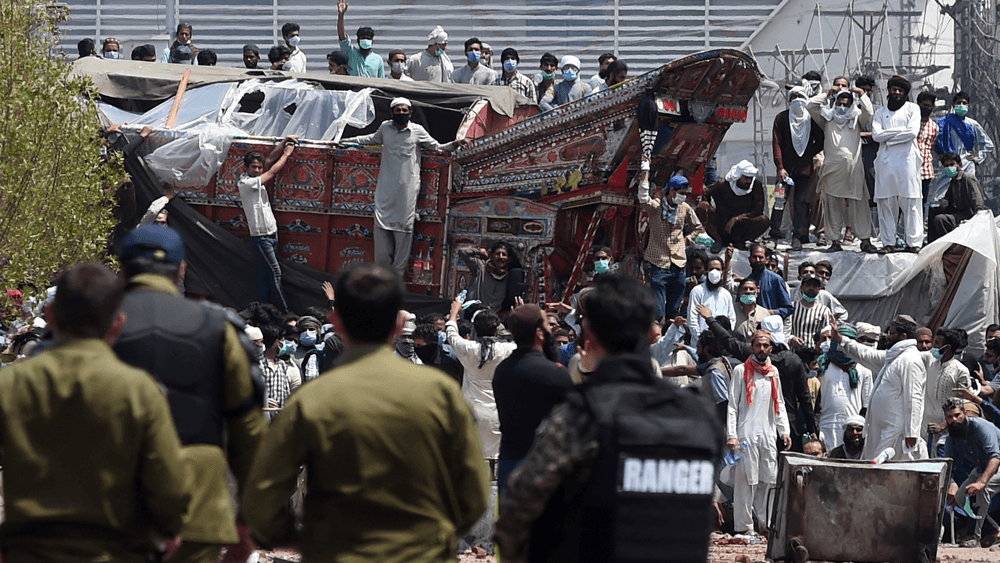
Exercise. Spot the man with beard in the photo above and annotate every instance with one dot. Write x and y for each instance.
(974, 442)
(497, 276)
(362, 61)
(791, 371)
(854, 440)
(897, 404)
(526, 386)
(796, 139)
(897, 167)
(755, 421)
(711, 294)
(738, 214)
(773, 291)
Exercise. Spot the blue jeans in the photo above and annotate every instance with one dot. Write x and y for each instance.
(668, 286)
(269, 271)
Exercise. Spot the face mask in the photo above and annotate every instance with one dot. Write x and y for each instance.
(287, 347)
(824, 346)
(287, 65)
(808, 299)
(811, 374)
(439, 52)
(570, 75)
(714, 276)
(294, 41)
(474, 57)
(401, 119)
(925, 112)
(679, 199)
(260, 349)
(951, 171)
(427, 353)
(112, 55)
(748, 299)
(841, 110)
(548, 75)
(510, 65)
(961, 110)
(398, 67)
(308, 338)
(602, 266)
(937, 353)
(365, 44)
(797, 103)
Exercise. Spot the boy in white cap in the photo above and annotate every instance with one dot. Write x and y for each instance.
(570, 89)
(398, 182)
(432, 64)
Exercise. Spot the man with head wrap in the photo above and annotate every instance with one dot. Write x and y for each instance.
(854, 440)
(398, 182)
(755, 422)
(432, 64)
(571, 88)
(737, 215)
(840, 112)
(897, 167)
(845, 389)
(795, 140)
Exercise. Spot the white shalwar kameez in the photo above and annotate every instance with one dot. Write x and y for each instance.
(897, 404)
(897, 173)
(839, 402)
(759, 426)
(942, 380)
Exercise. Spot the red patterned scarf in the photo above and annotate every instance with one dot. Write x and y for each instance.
(749, 367)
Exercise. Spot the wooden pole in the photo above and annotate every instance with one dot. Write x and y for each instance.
(181, 88)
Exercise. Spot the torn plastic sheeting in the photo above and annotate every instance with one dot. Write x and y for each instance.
(192, 160)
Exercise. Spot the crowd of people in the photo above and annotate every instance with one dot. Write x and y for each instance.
(432, 64)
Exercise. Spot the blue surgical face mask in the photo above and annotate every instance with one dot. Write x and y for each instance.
(308, 338)
(294, 41)
(510, 65)
(287, 65)
(112, 55)
(602, 266)
(287, 347)
(365, 44)
(474, 56)
(748, 299)
(951, 171)
(937, 353)
(841, 110)
(570, 75)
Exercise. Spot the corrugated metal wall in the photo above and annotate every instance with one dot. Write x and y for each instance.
(644, 33)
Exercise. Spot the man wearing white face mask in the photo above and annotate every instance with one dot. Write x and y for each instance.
(713, 295)
(474, 72)
(845, 388)
(290, 33)
(397, 65)
(570, 89)
(432, 64)
(362, 61)
(796, 139)
(510, 76)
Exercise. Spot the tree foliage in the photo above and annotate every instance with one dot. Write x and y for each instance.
(55, 190)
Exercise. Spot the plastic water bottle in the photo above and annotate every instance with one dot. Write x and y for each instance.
(732, 458)
(462, 296)
(885, 456)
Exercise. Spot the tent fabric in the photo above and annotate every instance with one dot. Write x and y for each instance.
(135, 80)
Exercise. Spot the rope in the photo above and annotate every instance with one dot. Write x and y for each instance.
(822, 44)
(581, 257)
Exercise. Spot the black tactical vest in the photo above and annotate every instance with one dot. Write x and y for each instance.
(648, 496)
(180, 343)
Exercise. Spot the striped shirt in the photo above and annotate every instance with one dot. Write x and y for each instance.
(276, 382)
(805, 322)
(519, 82)
(926, 140)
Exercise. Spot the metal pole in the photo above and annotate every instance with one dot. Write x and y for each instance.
(708, 33)
(97, 21)
(171, 17)
(617, 24)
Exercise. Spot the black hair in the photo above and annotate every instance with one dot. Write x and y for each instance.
(745, 280)
(956, 338)
(368, 301)
(724, 322)
(252, 156)
(602, 73)
(862, 81)
(510, 52)
(711, 343)
(271, 334)
(289, 28)
(251, 47)
(434, 317)
(694, 253)
(992, 328)
(950, 156)
(926, 96)
(395, 52)
(365, 32)
(617, 66)
(278, 52)
(320, 313)
(87, 300)
(993, 345)
(486, 323)
(824, 264)
(184, 25)
(86, 47)
(805, 264)
(207, 57)
(338, 57)
(472, 41)
(464, 328)
(755, 246)
(619, 312)
(904, 326)
(812, 75)
(548, 58)
(143, 51)
(426, 332)
(143, 265)
(963, 95)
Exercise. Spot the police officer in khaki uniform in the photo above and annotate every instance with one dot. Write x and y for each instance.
(201, 355)
(92, 463)
(395, 470)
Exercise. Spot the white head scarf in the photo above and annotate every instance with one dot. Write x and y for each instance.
(855, 420)
(774, 325)
(799, 120)
(400, 102)
(743, 168)
(847, 119)
(437, 36)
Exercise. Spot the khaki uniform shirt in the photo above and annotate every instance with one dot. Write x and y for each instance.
(211, 518)
(394, 469)
(92, 461)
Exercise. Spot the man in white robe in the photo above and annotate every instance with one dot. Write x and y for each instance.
(845, 388)
(897, 167)
(842, 180)
(896, 410)
(755, 420)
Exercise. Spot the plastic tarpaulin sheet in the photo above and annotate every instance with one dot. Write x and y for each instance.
(209, 118)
